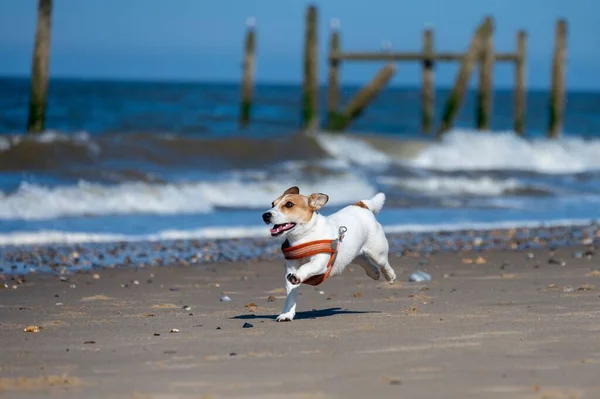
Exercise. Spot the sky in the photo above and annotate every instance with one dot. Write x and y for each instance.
(202, 40)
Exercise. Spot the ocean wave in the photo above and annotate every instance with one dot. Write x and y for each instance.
(46, 237)
(35, 202)
(444, 185)
(351, 149)
(472, 150)
(48, 137)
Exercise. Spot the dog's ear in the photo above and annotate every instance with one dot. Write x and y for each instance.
(292, 190)
(317, 201)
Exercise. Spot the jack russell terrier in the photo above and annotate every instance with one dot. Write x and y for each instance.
(317, 247)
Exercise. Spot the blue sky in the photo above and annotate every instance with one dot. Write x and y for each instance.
(202, 39)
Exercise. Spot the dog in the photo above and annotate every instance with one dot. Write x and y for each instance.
(318, 246)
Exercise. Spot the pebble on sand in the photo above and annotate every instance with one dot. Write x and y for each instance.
(225, 298)
(33, 329)
(174, 330)
(247, 325)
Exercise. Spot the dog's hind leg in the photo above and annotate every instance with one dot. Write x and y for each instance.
(376, 254)
(370, 268)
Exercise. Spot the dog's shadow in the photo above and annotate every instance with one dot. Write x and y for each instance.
(310, 314)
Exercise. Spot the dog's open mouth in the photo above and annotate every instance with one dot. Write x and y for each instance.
(281, 228)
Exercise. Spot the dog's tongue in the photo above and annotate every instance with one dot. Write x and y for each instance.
(280, 228)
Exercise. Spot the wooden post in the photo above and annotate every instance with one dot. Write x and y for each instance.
(310, 91)
(39, 69)
(360, 101)
(520, 96)
(333, 87)
(456, 96)
(427, 90)
(557, 91)
(248, 72)
(486, 85)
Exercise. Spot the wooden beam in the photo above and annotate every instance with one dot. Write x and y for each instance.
(427, 89)
(485, 91)
(413, 56)
(557, 91)
(333, 87)
(520, 95)
(456, 97)
(362, 99)
(248, 73)
(39, 68)
(310, 91)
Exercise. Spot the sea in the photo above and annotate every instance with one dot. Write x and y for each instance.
(124, 161)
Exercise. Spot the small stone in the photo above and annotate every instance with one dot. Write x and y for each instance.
(135, 282)
(186, 307)
(271, 298)
(585, 287)
(33, 329)
(357, 295)
(156, 334)
(174, 330)
(59, 303)
(530, 255)
(96, 276)
(554, 261)
(233, 354)
(247, 325)
(321, 292)
(419, 277)
(251, 307)
(225, 298)
(568, 289)
(72, 286)
(89, 342)
(64, 278)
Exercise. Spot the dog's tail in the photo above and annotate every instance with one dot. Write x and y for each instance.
(374, 204)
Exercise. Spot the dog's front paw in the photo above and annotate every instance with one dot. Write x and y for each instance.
(293, 279)
(289, 316)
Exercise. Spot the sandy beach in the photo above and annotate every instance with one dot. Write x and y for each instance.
(497, 324)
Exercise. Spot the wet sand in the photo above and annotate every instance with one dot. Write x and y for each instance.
(495, 324)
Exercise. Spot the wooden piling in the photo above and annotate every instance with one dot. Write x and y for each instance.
(333, 86)
(427, 90)
(520, 96)
(248, 73)
(310, 91)
(362, 99)
(39, 69)
(486, 86)
(456, 97)
(557, 91)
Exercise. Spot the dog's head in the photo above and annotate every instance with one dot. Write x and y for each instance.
(292, 211)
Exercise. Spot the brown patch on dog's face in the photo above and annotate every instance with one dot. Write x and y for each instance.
(294, 207)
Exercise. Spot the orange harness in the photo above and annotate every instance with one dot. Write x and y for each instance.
(311, 248)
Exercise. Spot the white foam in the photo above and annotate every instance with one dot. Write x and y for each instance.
(45, 237)
(471, 150)
(34, 202)
(443, 185)
(352, 149)
(47, 137)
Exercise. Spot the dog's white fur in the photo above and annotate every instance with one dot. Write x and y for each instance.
(364, 242)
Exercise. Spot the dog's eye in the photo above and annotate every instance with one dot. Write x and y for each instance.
(272, 204)
(289, 204)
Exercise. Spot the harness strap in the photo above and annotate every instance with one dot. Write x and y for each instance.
(312, 248)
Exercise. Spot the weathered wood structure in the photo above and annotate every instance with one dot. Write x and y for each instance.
(480, 54)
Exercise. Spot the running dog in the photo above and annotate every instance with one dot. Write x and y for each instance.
(318, 246)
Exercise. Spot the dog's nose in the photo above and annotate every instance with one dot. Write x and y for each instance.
(267, 217)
